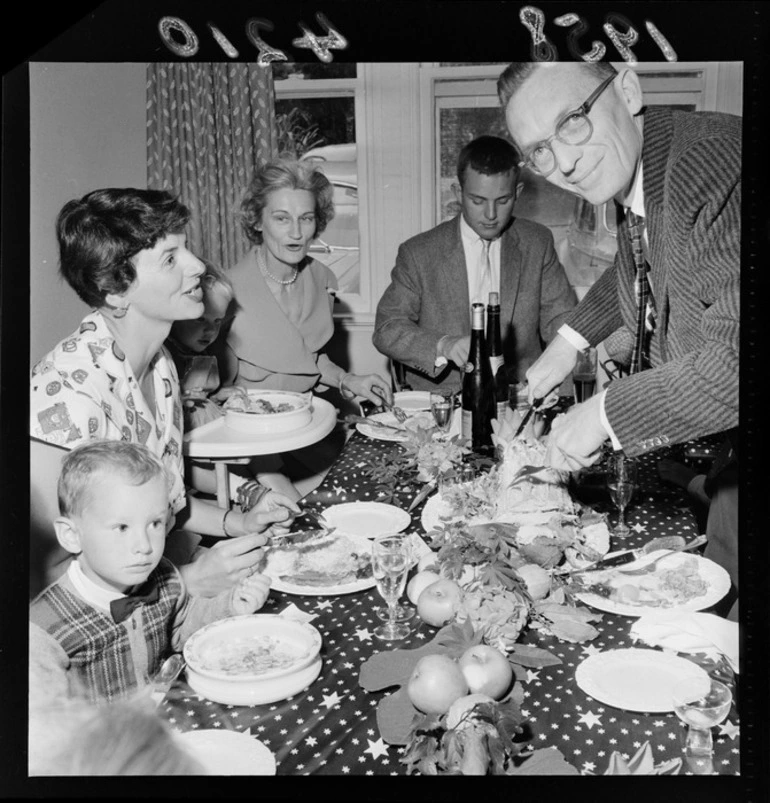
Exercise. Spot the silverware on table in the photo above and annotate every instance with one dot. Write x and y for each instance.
(532, 407)
(360, 419)
(671, 543)
(163, 679)
(397, 411)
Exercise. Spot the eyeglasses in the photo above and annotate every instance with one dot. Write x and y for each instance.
(573, 129)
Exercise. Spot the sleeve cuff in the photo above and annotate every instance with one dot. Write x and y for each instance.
(440, 361)
(606, 424)
(572, 337)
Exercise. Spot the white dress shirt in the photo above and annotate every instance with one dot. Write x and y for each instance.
(634, 203)
(90, 591)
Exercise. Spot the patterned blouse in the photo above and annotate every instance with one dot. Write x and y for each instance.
(85, 389)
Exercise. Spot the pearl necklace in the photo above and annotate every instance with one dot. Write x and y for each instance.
(266, 272)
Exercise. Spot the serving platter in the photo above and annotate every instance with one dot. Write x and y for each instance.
(361, 547)
(635, 679)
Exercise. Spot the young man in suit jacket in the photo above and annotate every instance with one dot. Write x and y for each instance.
(424, 317)
(586, 129)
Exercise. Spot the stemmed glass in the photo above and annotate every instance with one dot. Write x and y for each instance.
(701, 703)
(391, 556)
(403, 612)
(621, 483)
(442, 407)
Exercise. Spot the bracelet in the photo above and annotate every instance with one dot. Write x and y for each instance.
(224, 523)
(343, 392)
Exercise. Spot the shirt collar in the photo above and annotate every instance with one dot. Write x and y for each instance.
(469, 236)
(635, 198)
(92, 593)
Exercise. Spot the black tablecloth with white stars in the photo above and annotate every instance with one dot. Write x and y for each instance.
(331, 727)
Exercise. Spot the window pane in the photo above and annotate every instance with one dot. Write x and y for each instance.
(323, 130)
(286, 69)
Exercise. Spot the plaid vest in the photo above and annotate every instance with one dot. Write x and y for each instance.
(99, 650)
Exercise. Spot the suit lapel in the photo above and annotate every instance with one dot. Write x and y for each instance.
(455, 274)
(510, 273)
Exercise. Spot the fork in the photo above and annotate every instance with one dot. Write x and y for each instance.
(650, 567)
(397, 411)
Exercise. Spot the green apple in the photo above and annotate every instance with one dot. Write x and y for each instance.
(436, 682)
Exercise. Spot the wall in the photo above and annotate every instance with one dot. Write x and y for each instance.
(87, 130)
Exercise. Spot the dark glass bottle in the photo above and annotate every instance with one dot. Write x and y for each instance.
(496, 360)
(478, 395)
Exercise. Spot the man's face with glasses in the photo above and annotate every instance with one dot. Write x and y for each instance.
(577, 130)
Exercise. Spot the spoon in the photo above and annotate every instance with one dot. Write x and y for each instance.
(165, 676)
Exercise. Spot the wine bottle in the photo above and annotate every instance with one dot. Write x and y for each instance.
(496, 360)
(478, 393)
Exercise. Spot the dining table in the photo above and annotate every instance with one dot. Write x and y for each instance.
(331, 728)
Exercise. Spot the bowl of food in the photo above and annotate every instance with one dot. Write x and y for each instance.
(253, 659)
(267, 412)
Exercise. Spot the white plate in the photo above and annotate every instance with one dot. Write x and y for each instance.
(409, 400)
(367, 519)
(390, 420)
(635, 679)
(362, 546)
(716, 577)
(228, 752)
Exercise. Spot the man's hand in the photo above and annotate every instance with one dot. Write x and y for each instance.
(251, 593)
(551, 369)
(369, 386)
(223, 565)
(577, 436)
(456, 349)
(274, 510)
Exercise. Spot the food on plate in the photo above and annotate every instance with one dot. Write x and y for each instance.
(249, 656)
(486, 670)
(324, 560)
(664, 588)
(244, 402)
(436, 682)
(439, 602)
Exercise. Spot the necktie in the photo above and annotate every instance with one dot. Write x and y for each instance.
(486, 271)
(123, 607)
(645, 304)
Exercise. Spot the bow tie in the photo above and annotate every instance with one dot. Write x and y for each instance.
(123, 607)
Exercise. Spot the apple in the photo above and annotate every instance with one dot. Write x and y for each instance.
(461, 706)
(436, 682)
(428, 562)
(439, 602)
(419, 583)
(486, 670)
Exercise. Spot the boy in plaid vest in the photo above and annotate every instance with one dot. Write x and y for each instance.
(106, 625)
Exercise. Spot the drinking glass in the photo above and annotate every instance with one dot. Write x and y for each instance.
(701, 703)
(403, 612)
(584, 375)
(442, 406)
(621, 483)
(391, 557)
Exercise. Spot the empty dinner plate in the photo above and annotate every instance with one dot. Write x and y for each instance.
(410, 400)
(367, 519)
(228, 752)
(635, 679)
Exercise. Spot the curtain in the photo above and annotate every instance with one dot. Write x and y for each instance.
(208, 127)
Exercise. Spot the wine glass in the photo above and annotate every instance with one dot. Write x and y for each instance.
(442, 407)
(621, 483)
(403, 612)
(701, 703)
(391, 556)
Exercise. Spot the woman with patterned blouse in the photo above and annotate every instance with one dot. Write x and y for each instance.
(124, 253)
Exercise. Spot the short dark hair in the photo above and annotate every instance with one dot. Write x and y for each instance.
(100, 233)
(280, 174)
(488, 155)
(93, 459)
(515, 74)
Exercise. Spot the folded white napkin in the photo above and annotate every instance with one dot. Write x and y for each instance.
(292, 612)
(684, 631)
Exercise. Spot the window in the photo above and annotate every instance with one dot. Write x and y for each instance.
(317, 116)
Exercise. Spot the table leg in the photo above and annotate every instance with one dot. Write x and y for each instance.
(223, 484)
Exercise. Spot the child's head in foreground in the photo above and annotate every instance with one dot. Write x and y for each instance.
(201, 332)
(113, 501)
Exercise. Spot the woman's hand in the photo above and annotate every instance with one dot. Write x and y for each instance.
(250, 594)
(274, 509)
(223, 565)
(364, 385)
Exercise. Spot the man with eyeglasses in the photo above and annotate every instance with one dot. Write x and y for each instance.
(424, 317)
(675, 176)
